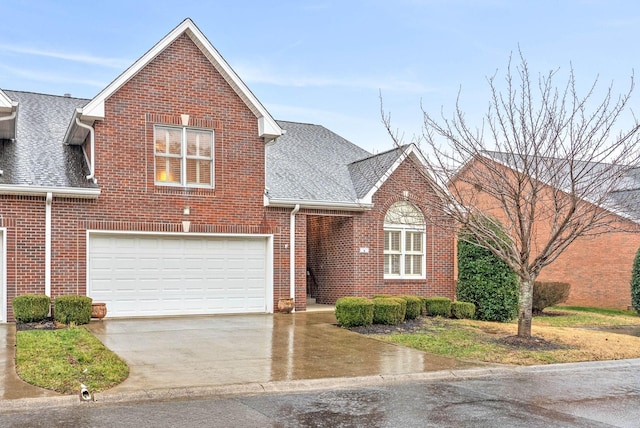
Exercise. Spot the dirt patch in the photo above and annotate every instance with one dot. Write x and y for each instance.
(532, 343)
(410, 326)
(46, 324)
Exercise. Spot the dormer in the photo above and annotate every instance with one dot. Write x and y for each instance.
(8, 117)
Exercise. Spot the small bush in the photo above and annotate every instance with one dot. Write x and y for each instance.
(72, 309)
(354, 311)
(635, 283)
(31, 307)
(424, 306)
(463, 310)
(389, 310)
(414, 306)
(439, 306)
(547, 294)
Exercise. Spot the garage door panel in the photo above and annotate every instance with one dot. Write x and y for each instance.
(143, 275)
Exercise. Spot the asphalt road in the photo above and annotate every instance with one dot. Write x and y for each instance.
(566, 397)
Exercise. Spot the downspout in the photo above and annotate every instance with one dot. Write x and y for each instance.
(47, 245)
(292, 252)
(92, 162)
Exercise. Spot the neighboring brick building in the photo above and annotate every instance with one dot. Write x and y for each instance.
(597, 267)
(174, 191)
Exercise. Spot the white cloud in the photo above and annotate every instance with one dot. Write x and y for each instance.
(48, 76)
(85, 59)
(264, 75)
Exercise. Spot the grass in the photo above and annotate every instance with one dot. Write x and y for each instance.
(560, 338)
(61, 360)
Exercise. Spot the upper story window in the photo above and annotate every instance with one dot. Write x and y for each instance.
(404, 242)
(183, 156)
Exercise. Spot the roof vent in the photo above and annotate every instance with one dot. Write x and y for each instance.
(67, 95)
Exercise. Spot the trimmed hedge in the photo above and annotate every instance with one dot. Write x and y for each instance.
(438, 306)
(414, 306)
(463, 310)
(547, 294)
(354, 311)
(31, 307)
(72, 309)
(389, 310)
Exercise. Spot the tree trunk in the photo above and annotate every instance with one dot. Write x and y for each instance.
(525, 301)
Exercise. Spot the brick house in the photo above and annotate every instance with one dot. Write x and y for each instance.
(174, 191)
(598, 267)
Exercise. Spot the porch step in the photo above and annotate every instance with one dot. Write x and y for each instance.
(311, 300)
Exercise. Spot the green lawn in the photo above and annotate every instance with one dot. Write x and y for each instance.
(560, 338)
(62, 359)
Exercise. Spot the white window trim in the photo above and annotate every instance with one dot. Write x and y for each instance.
(183, 157)
(403, 229)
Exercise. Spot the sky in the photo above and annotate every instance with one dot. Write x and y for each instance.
(331, 62)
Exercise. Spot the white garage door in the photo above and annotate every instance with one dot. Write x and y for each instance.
(150, 275)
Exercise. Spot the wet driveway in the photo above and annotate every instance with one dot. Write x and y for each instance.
(223, 350)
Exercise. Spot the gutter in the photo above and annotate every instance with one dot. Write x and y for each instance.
(59, 192)
(292, 253)
(319, 205)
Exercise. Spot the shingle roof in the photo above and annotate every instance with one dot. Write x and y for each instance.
(308, 164)
(38, 156)
(623, 199)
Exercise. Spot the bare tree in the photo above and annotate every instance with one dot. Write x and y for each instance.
(545, 162)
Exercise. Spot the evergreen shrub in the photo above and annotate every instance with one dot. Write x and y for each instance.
(31, 307)
(354, 311)
(71, 308)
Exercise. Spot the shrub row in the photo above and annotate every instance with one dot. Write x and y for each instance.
(66, 309)
(392, 310)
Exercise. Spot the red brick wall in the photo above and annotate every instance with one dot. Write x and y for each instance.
(178, 81)
(329, 246)
(331, 257)
(598, 267)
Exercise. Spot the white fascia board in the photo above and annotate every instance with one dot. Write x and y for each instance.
(318, 205)
(268, 128)
(7, 105)
(59, 192)
(409, 150)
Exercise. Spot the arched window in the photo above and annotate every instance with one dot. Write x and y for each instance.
(404, 242)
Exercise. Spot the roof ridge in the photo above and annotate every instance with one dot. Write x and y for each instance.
(46, 95)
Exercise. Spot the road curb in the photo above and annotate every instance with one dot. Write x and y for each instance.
(294, 386)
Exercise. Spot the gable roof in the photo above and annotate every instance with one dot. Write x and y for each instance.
(622, 200)
(316, 168)
(95, 110)
(37, 161)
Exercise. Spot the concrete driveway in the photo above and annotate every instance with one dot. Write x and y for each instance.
(225, 350)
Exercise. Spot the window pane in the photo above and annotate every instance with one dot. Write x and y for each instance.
(198, 172)
(199, 143)
(167, 169)
(392, 264)
(392, 241)
(413, 265)
(414, 241)
(175, 141)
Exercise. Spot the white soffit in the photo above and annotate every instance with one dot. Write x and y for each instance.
(268, 128)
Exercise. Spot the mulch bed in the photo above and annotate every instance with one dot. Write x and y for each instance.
(46, 324)
(426, 324)
(532, 343)
(410, 326)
